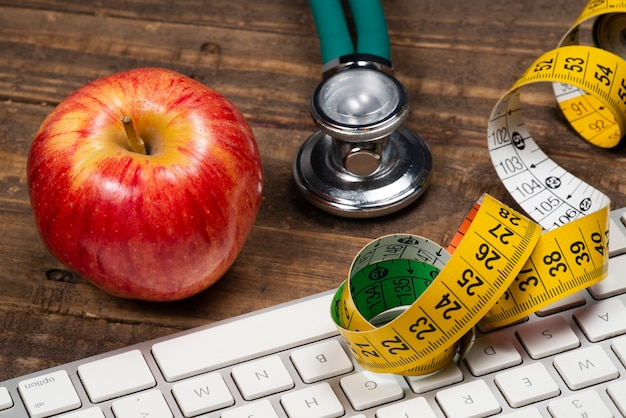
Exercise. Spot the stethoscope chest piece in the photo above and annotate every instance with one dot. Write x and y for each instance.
(361, 163)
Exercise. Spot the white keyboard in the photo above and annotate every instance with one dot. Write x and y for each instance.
(566, 361)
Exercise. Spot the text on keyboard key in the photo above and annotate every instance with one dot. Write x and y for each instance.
(318, 401)
(49, 394)
(546, 337)
(321, 361)
(524, 385)
(149, 404)
(587, 404)
(491, 353)
(468, 400)
(248, 337)
(585, 367)
(202, 394)
(367, 389)
(262, 377)
(602, 320)
(115, 376)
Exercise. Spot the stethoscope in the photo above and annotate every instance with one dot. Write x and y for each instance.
(362, 162)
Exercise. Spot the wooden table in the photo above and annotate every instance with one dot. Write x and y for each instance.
(456, 58)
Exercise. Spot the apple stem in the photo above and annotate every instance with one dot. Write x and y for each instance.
(135, 141)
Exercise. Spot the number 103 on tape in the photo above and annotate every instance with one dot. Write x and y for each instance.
(409, 305)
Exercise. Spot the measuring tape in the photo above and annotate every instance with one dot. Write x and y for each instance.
(587, 112)
(409, 306)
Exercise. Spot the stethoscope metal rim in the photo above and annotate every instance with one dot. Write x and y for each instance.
(364, 131)
(369, 166)
(339, 192)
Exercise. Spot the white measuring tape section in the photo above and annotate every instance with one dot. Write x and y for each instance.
(409, 306)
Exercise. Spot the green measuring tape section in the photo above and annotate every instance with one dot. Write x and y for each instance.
(408, 303)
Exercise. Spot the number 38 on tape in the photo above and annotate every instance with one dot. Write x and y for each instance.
(408, 302)
(409, 306)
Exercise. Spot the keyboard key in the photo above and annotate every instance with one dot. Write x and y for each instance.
(617, 392)
(249, 337)
(526, 384)
(94, 412)
(531, 412)
(447, 376)
(202, 394)
(586, 404)
(491, 353)
(602, 320)
(619, 348)
(585, 367)
(321, 361)
(49, 394)
(617, 239)
(262, 377)
(413, 408)
(367, 389)
(615, 281)
(258, 409)
(116, 376)
(487, 328)
(468, 400)
(318, 401)
(5, 398)
(546, 337)
(568, 302)
(146, 404)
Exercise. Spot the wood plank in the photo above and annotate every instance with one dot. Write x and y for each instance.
(455, 59)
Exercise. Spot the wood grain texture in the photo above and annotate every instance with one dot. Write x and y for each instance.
(455, 58)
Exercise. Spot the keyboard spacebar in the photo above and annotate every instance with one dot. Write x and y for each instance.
(245, 338)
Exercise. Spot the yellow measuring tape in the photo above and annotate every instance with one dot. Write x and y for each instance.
(408, 303)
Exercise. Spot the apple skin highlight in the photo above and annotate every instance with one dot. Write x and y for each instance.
(158, 227)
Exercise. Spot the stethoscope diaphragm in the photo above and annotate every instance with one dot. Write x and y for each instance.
(362, 162)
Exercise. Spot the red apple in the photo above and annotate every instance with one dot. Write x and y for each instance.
(157, 221)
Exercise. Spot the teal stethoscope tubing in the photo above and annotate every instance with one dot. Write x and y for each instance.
(332, 29)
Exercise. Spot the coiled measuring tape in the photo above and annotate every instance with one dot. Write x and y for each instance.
(408, 303)
(587, 112)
